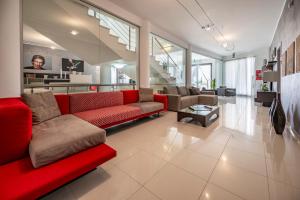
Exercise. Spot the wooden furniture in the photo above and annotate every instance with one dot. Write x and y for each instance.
(205, 116)
(266, 98)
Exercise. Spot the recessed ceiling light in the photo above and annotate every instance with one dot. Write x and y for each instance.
(73, 32)
(91, 12)
(53, 47)
(225, 44)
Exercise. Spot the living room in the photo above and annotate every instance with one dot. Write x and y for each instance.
(160, 100)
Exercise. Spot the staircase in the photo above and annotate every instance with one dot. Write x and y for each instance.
(161, 70)
(114, 33)
(102, 37)
(95, 43)
(162, 62)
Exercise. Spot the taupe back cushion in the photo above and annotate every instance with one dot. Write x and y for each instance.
(195, 91)
(171, 90)
(43, 106)
(146, 95)
(183, 91)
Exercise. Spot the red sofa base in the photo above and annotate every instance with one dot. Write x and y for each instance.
(19, 180)
(131, 119)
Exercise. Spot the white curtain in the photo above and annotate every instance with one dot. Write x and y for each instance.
(239, 74)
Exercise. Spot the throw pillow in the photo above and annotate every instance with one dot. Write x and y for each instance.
(195, 91)
(43, 106)
(146, 94)
(171, 90)
(182, 91)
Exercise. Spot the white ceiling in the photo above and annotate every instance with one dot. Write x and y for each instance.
(249, 24)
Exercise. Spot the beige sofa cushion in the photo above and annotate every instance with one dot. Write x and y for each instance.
(187, 101)
(43, 106)
(61, 137)
(183, 91)
(211, 100)
(194, 91)
(171, 90)
(148, 107)
(146, 94)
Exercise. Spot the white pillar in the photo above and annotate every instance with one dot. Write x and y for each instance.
(189, 66)
(144, 55)
(10, 48)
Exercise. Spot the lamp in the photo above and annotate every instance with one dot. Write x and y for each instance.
(270, 76)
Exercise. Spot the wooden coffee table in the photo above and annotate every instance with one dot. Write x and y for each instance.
(205, 116)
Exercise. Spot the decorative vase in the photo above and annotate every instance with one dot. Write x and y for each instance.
(278, 117)
(272, 107)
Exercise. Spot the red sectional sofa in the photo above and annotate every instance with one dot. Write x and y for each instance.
(18, 178)
(106, 109)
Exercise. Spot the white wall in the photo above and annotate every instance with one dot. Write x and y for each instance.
(10, 48)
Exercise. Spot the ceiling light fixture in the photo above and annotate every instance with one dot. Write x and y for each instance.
(73, 32)
(207, 27)
(119, 65)
(211, 27)
(53, 47)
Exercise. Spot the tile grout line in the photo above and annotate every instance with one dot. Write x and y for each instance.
(267, 173)
(215, 166)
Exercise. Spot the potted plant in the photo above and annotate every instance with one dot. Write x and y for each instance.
(264, 87)
(213, 84)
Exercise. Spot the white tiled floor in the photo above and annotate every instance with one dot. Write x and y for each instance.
(237, 157)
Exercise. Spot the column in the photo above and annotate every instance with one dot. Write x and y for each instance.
(10, 48)
(144, 55)
(189, 66)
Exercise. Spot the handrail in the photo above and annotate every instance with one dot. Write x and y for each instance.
(165, 52)
(113, 25)
(119, 29)
(122, 30)
(68, 85)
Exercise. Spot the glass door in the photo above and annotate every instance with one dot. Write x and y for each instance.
(202, 75)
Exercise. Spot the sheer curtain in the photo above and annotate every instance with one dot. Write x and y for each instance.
(239, 74)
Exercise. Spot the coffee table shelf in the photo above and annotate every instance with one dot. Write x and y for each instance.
(204, 116)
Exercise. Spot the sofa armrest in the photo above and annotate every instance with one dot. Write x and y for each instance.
(162, 99)
(16, 129)
(174, 102)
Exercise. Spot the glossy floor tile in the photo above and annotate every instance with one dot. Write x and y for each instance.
(241, 182)
(238, 157)
(172, 183)
(143, 194)
(212, 192)
(141, 166)
(195, 163)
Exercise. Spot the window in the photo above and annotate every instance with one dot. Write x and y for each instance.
(201, 76)
(204, 70)
(74, 42)
(167, 62)
(239, 74)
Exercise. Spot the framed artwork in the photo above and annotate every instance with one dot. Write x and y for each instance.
(290, 60)
(298, 54)
(37, 62)
(283, 64)
(72, 65)
(258, 74)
